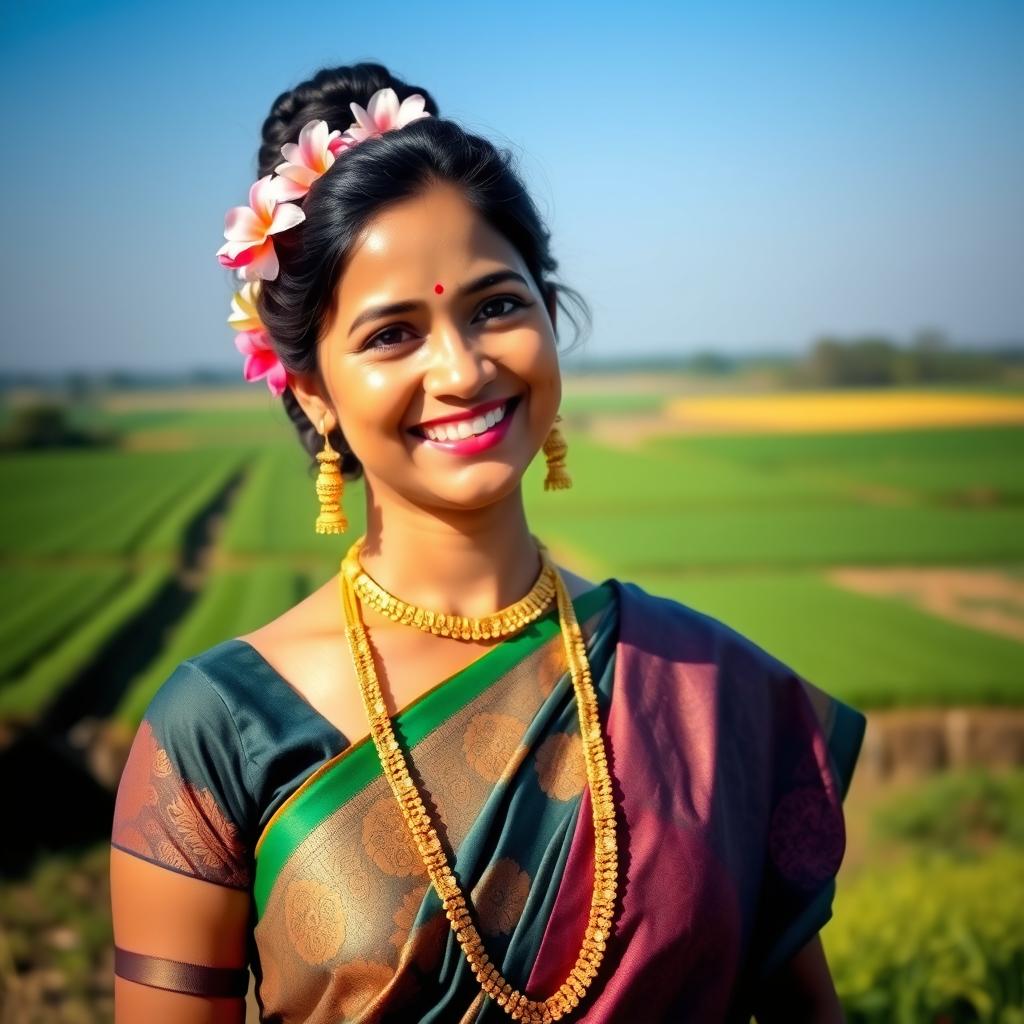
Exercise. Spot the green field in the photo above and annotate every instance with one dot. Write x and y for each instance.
(200, 528)
(742, 527)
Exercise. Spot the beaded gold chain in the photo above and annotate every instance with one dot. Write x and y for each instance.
(515, 1003)
(503, 622)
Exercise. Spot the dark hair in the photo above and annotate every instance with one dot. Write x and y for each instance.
(381, 171)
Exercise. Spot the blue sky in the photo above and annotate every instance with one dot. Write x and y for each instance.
(740, 176)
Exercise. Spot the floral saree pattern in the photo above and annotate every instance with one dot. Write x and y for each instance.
(728, 769)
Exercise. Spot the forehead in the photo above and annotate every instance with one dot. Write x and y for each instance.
(409, 247)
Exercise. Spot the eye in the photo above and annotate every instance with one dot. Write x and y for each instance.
(380, 342)
(516, 304)
(377, 343)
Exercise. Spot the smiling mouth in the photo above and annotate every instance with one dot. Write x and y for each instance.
(459, 430)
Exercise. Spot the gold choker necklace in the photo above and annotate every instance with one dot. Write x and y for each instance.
(503, 622)
(516, 1004)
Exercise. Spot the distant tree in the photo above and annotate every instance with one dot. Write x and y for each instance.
(46, 425)
(929, 351)
(872, 360)
(708, 361)
(79, 386)
(825, 365)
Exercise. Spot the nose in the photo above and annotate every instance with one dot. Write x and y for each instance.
(458, 367)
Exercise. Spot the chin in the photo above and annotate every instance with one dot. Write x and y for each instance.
(479, 487)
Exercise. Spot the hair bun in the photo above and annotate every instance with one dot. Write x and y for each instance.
(326, 96)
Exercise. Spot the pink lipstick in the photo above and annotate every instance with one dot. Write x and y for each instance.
(475, 442)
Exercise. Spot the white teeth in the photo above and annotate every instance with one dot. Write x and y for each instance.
(465, 428)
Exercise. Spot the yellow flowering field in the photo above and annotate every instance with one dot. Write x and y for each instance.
(843, 411)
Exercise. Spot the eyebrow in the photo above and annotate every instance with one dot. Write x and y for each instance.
(394, 308)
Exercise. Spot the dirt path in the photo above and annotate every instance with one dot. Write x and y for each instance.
(985, 599)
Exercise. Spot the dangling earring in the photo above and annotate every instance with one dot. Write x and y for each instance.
(554, 451)
(329, 487)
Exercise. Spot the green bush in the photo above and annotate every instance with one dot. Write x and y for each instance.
(934, 929)
(958, 812)
(936, 938)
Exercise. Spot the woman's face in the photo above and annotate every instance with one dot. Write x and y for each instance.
(447, 401)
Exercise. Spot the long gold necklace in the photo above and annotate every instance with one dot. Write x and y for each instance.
(515, 1003)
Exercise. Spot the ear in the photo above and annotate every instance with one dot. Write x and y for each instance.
(309, 392)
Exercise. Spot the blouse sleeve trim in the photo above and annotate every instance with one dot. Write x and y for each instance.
(177, 870)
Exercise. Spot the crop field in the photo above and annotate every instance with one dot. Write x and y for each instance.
(873, 541)
(759, 528)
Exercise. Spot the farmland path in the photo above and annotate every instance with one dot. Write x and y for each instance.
(72, 755)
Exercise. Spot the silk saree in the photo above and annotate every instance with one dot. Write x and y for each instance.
(729, 771)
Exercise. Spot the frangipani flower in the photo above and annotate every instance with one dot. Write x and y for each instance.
(248, 230)
(261, 360)
(308, 159)
(383, 113)
(244, 316)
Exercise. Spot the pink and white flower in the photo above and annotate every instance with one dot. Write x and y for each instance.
(248, 229)
(253, 341)
(383, 113)
(308, 159)
(261, 360)
(244, 315)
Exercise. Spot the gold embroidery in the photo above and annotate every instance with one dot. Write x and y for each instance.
(405, 915)
(361, 855)
(356, 881)
(552, 666)
(202, 826)
(169, 854)
(136, 791)
(501, 895)
(358, 983)
(561, 768)
(314, 919)
(161, 816)
(489, 743)
(387, 841)
(161, 763)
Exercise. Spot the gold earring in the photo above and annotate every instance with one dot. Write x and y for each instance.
(554, 451)
(329, 488)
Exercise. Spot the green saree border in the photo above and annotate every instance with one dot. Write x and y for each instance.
(312, 803)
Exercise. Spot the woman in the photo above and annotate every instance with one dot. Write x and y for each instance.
(682, 849)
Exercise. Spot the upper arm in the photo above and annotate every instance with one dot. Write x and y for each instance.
(161, 913)
(801, 990)
(180, 865)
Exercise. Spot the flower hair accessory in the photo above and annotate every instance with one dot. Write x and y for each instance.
(253, 341)
(249, 230)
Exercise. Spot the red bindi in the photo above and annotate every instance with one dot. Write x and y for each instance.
(439, 288)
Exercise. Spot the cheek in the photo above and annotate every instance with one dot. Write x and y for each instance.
(370, 401)
(544, 378)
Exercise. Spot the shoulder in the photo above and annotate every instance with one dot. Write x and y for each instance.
(663, 627)
(195, 688)
(193, 715)
(694, 645)
(185, 800)
(574, 583)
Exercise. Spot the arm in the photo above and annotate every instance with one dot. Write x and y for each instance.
(801, 991)
(161, 913)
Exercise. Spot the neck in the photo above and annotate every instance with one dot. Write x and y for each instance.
(467, 562)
